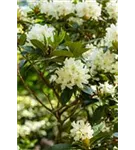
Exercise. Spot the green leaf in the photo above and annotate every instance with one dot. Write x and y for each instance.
(22, 63)
(58, 38)
(99, 113)
(116, 127)
(115, 44)
(88, 90)
(61, 146)
(76, 48)
(90, 101)
(22, 39)
(98, 128)
(66, 95)
(38, 44)
(62, 53)
(61, 36)
(101, 135)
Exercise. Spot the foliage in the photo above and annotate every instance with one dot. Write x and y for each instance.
(67, 71)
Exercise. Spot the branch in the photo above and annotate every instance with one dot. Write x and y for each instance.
(48, 99)
(72, 113)
(31, 92)
(69, 106)
(42, 77)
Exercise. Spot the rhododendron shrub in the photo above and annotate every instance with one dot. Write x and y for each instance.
(68, 69)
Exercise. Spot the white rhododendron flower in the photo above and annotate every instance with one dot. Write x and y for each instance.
(111, 35)
(90, 9)
(53, 78)
(98, 60)
(33, 3)
(39, 32)
(91, 53)
(74, 72)
(81, 130)
(57, 8)
(112, 9)
(30, 126)
(107, 88)
(21, 15)
(64, 8)
(26, 9)
(50, 9)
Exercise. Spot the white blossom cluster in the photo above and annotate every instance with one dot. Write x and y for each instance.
(107, 88)
(57, 9)
(33, 3)
(97, 60)
(111, 34)
(40, 32)
(88, 9)
(21, 15)
(81, 130)
(112, 9)
(30, 109)
(74, 72)
(31, 126)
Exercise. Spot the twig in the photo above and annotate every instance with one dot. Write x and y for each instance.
(41, 76)
(48, 99)
(68, 106)
(31, 92)
(72, 113)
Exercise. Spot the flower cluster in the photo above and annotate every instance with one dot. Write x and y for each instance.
(31, 126)
(33, 3)
(81, 130)
(97, 60)
(21, 15)
(74, 72)
(88, 9)
(111, 35)
(112, 9)
(40, 32)
(58, 9)
(107, 88)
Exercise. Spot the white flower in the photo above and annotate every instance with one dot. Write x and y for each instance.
(30, 126)
(35, 125)
(81, 130)
(53, 78)
(57, 8)
(25, 9)
(64, 8)
(91, 53)
(111, 35)
(49, 8)
(97, 60)
(33, 3)
(90, 9)
(112, 9)
(39, 32)
(107, 88)
(21, 15)
(115, 148)
(74, 72)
